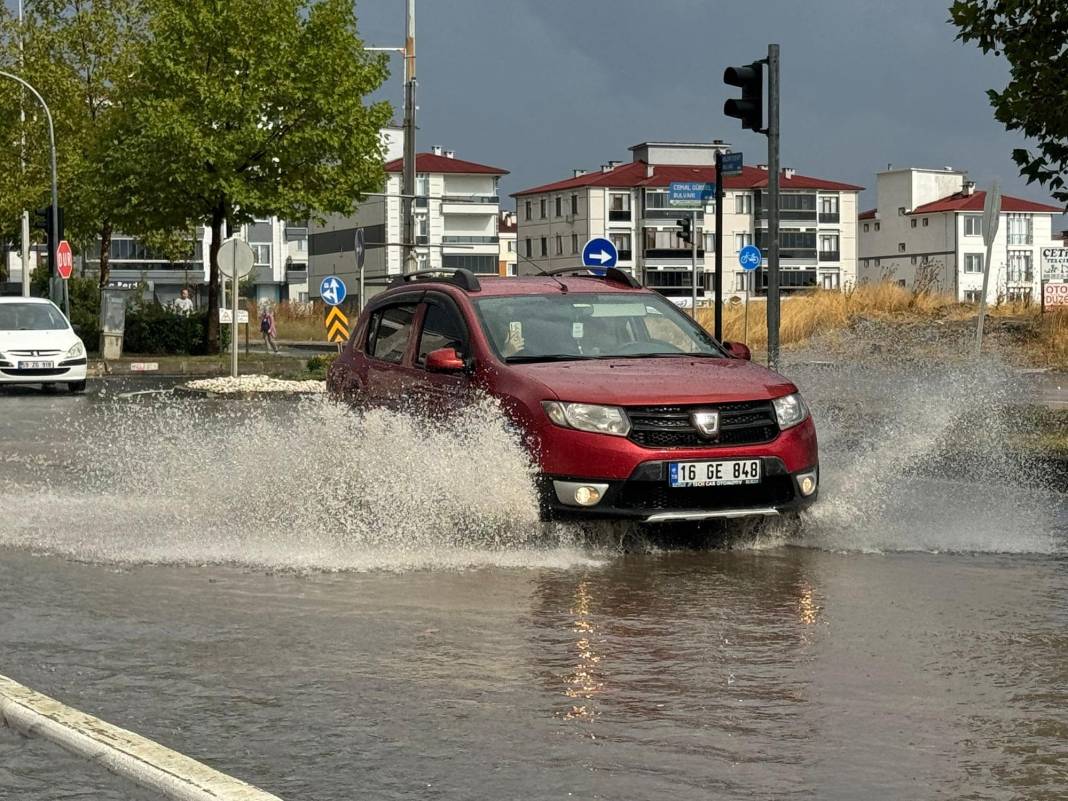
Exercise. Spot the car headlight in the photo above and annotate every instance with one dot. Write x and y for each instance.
(588, 417)
(790, 410)
(76, 350)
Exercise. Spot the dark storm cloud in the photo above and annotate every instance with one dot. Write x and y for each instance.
(542, 86)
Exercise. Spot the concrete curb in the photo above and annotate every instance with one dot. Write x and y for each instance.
(131, 756)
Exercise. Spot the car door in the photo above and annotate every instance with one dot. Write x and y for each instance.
(388, 352)
(442, 326)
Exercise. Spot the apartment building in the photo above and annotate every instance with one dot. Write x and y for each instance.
(927, 233)
(456, 216)
(507, 230)
(628, 204)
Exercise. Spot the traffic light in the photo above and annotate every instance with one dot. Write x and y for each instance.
(749, 108)
(42, 219)
(686, 235)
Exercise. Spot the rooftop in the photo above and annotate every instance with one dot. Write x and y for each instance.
(431, 162)
(962, 201)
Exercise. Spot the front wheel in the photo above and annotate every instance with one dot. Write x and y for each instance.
(76, 387)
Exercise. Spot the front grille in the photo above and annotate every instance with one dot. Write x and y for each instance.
(744, 423)
(38, 372)
(658, 495)
(34, 352)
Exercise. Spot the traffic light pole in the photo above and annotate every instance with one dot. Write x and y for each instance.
(693, 260)
(718, 278)
(53, 239)
(773, 206)
(408, 168)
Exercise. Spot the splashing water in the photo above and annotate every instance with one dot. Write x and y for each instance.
(306, 484)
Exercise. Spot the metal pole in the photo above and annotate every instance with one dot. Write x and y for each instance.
(22, 149)
(233, 321)
(362, 303)
(718, 278)
(773, 206)
(408, 175)
(693, 260)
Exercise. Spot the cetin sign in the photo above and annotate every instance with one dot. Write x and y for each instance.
(1055, 264)
(690, 194)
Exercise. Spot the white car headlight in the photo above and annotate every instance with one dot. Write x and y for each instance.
(790, 410)
(589, 417)
(76, 350)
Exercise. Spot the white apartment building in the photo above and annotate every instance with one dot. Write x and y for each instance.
(628, 203)
(456, 214)
(927, 232)
(507, 231)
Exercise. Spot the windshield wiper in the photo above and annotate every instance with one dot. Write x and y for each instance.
(662, 356)
(549, 357)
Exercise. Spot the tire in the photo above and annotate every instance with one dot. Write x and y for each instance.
(76, 387)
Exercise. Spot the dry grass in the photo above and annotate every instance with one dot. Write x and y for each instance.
(1050, 342)
(293, 320)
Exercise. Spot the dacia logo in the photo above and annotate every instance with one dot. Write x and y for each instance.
(707, 423)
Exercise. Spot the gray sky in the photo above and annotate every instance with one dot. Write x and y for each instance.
(539, 87)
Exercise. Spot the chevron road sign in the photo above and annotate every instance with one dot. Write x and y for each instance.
(337, 325)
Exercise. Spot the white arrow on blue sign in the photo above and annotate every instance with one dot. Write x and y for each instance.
(750, 257)
(332, 290)
(599, 254)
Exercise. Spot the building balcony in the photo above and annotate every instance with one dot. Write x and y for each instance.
(619, 215)
(793, 254)
(420, 202)
(422, 239)
(786, 215)
(624, 255)
(671, 214)
(830, 255)
(469, 204)
(469, 240)
(828, 217)
(672, 253)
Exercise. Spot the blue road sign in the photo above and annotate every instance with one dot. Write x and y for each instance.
(732, 163)
(599, 254)
(750, 257)
(332, 290)
(690, 194)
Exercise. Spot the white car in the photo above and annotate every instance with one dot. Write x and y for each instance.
(38, 346)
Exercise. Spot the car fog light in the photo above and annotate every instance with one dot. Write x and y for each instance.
(587, 496)
(807, 483)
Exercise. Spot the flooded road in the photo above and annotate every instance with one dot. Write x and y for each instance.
(195, 573)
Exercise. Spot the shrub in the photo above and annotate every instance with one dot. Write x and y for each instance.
(155, 329)
(318, 365)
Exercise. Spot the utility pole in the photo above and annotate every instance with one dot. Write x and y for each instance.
(773, 206)
(718, 278)
(408, 174)
(693, 260)
(25, 212)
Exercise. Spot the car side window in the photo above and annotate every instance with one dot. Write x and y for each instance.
(388, 334)
(442, 328)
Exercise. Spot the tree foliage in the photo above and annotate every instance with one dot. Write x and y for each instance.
(1031, 34)
(247, 108)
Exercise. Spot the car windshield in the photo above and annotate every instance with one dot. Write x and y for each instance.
(572, 326)
(31, 317)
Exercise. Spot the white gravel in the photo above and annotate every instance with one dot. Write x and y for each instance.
(256, 383)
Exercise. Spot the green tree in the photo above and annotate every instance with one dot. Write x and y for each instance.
(75, 52)
(248, 108)
(1031, 35)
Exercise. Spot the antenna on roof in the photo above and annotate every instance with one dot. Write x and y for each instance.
(536, 266)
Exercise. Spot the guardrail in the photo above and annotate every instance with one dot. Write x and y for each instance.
(131, 756)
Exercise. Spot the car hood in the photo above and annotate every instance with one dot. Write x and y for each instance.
(60, 340)
(658, 382)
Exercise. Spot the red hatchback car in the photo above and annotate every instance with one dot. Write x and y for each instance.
(629, 407)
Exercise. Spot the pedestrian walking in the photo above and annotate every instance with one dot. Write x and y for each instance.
(268, 330)
(183, 304)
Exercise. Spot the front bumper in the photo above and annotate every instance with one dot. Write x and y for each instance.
(646, 495)
(65, 371)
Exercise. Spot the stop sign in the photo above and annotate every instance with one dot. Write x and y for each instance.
(64, 260)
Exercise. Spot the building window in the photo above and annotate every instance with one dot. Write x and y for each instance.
(1019, 267)
(865, 225)
(973, 262)
(574, 205)
(828, 243)
(912, 223)
(900, 211)
(741, 282)
(544, 244)
(710, 242)
(619, 201)
(877, 262)
(741, 240)
(876, 226)
(422, 184)
(973, 225)
(622, 243)
(261, 255)
(973, 295)
(528, 209)
(743, 203)
(541, 204)
(864, 262)
(828, 204)
(656, 199)
(912, 259)
(511, 246)
(925, 221)
(574, 243)
(559, 243)
(1019, 229)
(527, 248)
(559, 206)
(900, 247)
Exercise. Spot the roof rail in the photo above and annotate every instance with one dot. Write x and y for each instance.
(465, 279)
(613, 274)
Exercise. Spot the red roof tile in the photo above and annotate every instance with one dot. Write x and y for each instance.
(509, 227)
(633, 174)
(974, 202)
(428, 162)
(867, 215)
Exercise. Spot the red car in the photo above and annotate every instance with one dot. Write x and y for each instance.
(630, 408)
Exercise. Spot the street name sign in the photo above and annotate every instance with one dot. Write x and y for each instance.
(690, 194)
(750, 257)
(599, 254)
(64, 260)
(333, 290)
(731, 163)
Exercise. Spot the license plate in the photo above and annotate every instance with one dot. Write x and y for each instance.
(35, 365)
(714, 474)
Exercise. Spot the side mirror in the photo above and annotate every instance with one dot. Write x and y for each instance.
(738, 351)
(444, 360)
